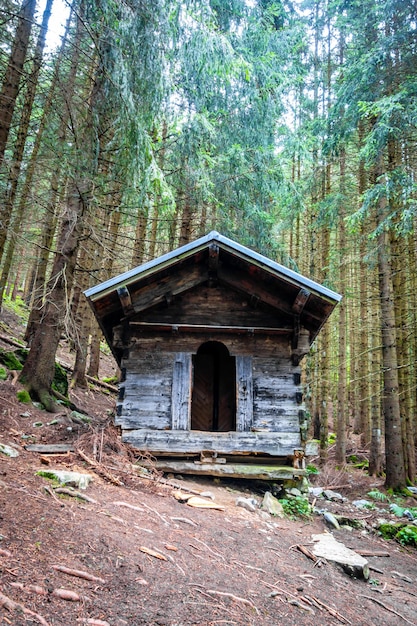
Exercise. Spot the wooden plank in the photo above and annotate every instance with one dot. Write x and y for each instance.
(181, 391)
(244, 387)
(167, 442)
(174, 283)
(157, 327)
(244, 345)
(231, 470)
(146, 398)
(50, 448)
(219, 306)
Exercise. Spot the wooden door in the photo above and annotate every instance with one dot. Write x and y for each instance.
(213, 402)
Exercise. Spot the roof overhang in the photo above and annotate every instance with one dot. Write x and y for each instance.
(213, 257)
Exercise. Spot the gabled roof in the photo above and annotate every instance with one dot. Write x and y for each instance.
(217, 258)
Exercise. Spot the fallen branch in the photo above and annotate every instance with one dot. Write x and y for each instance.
(75, 494)
(78, 573)
(225, 594)
(92, 621)
(51, 493)
(129, 506)
(153, 553)
(309, 555)
(5, 553)
(64, 594)
(388, 608)
(185, 520)
(100, 469)
(11, 605)
(329, 609)
(67, 594)
(41, 591)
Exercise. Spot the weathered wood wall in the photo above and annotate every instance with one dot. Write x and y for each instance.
(156, 396)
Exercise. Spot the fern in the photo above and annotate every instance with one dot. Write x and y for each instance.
(378, 495)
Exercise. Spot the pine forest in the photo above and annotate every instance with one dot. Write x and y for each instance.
(289, 126)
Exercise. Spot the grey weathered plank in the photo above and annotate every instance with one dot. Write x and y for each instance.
(244, 386)
(192, 442)
(181, 391)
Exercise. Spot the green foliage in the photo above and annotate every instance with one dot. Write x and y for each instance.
(378, 495)
(407, 536)
(3, 373)
(23, 396)
(111, 380)
(16, 306)
(60, 382)
(389, 531)
(312, 469)
(296, 507)
(10, 359)
(331, 439)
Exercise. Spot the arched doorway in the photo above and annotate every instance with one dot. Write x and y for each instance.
(213, 400)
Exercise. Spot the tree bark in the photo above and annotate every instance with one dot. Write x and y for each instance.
(14, 72)
(38, 372)
(18, 154)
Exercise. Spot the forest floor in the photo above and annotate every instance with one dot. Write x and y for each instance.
(155, 560)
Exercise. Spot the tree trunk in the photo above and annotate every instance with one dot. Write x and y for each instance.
(394, 456)
(14, 73)
(38, 372)
(19, 151)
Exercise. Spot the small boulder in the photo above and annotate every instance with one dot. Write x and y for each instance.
(272, 505)
(249, 504)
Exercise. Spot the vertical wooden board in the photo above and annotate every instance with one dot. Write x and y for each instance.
(244, 393)
(181, 391)
(274, 406)
(146, 398)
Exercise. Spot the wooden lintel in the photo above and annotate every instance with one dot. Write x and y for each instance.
(300, 301)
(198, 328)
(125, 300)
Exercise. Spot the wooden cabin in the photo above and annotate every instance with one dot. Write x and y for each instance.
(209, 340)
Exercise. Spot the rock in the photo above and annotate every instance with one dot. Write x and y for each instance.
(316, 492)
(361, 504)
(333, 495)
(8, 450)
(272, 505)
(207, 494)
(327, 547)
(249, 504)
(80, 418)
(75, 479)
(330, 519)
(293, 491)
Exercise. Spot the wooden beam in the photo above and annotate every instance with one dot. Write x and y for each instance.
(125, 300)
(300, 301)
(171, 442)
(231, 470)
(168, 287)
(198, 328)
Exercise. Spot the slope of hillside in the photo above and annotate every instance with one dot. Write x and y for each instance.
(132, 554)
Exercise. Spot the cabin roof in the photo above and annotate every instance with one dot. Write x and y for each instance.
(144, 286)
